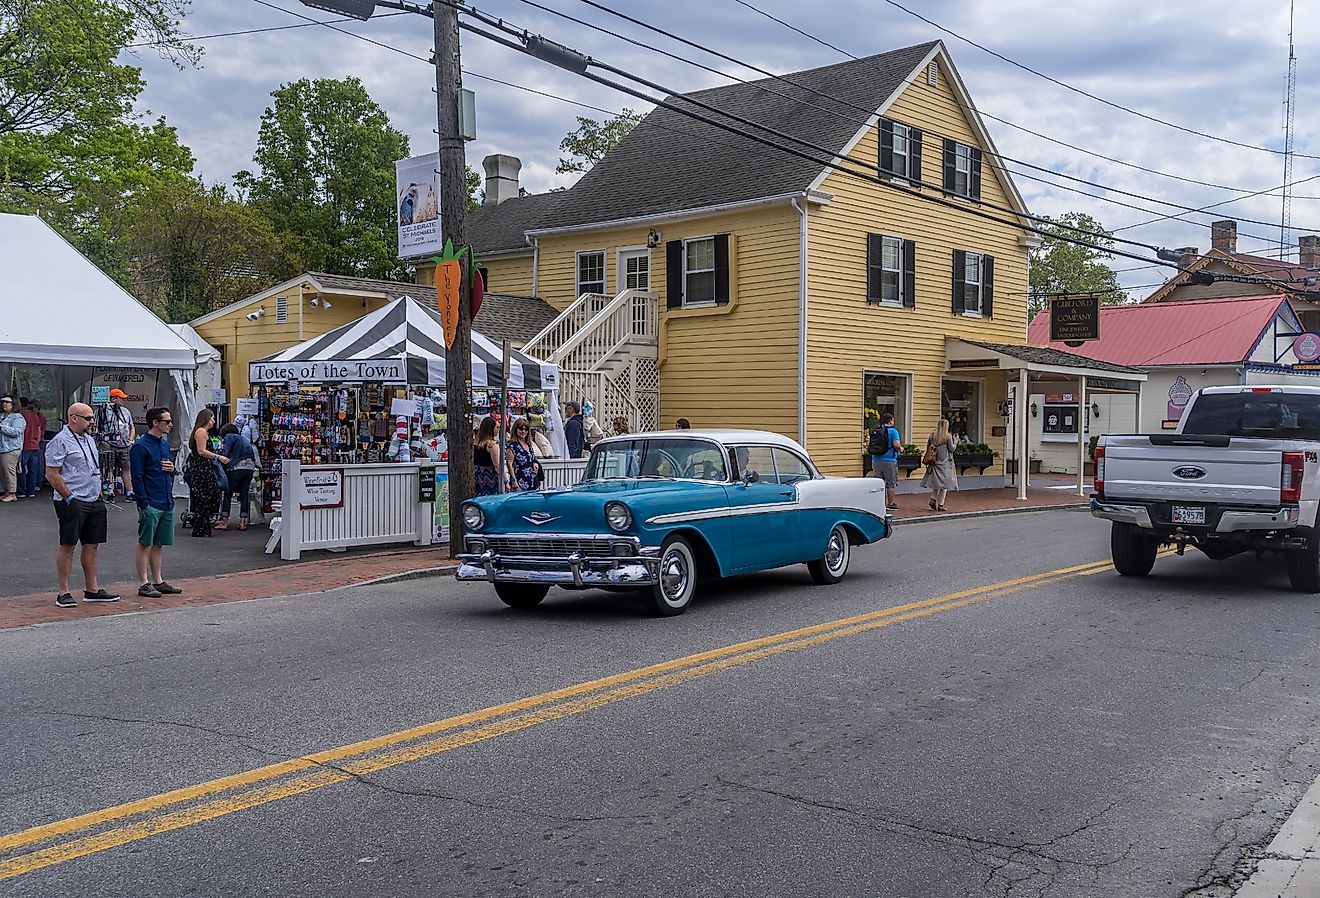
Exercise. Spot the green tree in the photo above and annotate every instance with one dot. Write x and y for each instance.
(71, 145)
(589, 143)
(189, 249)
(326, 154)
(1060, 266)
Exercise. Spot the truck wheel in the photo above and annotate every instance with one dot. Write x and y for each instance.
(831, 568)
(521, 595)
(1133, 552)
(1304, 564)
(678, 579)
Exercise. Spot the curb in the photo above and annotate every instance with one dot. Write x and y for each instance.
(441, 570)
(990, 512)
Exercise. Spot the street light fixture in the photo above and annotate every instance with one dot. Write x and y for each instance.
(357, 9)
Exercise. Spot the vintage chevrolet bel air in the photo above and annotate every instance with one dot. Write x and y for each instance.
(657, 513)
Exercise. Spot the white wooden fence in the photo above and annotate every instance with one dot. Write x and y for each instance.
(379, 505)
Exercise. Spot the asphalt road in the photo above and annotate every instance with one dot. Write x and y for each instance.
(1076, 734)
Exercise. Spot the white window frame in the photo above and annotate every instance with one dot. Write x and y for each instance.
(897, 301)
(909, 380)
(962, 168)
(978, 284)
(577, 271)
(980, 384)
(702, 303)
(904, 170)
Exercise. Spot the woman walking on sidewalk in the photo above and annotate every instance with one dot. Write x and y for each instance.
(203, 486)
(940, 476)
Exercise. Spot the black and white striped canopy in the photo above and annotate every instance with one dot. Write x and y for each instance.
(402, 343)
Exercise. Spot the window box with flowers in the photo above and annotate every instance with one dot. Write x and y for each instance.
(973, 455)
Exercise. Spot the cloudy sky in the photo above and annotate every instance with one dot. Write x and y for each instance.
(1214, 66)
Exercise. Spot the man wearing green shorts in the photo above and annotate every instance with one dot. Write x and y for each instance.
(152, 465)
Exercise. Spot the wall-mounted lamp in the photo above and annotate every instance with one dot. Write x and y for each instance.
(259, 313)
(317, 301)
(1035, 410)
(653, 238)
(1095, 409)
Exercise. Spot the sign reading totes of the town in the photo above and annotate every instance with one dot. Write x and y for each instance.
(387, 371)
(1074, 319)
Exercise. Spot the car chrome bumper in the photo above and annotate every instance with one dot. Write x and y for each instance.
(1231, 521)
(576, 570)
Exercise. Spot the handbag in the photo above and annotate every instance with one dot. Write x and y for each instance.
(221, 478)
(930, 456)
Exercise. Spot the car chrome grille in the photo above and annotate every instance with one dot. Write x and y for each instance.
(548, 547)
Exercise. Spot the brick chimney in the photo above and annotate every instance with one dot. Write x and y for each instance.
(501, 178)
(1308, 252)
(1186, 255)
(1223, 235)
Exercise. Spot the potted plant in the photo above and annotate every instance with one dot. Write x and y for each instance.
(909, 459)
(1088, 469)
(973, 455)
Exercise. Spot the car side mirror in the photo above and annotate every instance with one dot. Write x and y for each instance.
(750, 477)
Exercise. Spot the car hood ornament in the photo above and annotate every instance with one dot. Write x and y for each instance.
(540, 517)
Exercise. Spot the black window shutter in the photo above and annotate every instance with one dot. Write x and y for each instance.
(950, 164)
(974, 181)
(674, 274)
(874, 256)
(721, 269)
(988, 286)
(910, 274)
(959, 273)
(887, 146)
(914, 155)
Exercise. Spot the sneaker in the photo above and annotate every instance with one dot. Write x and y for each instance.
(99, 596)
(65, 600)
(166, 589)
(131, 497)
(147, 591)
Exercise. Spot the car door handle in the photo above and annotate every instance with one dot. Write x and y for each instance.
(785, 492)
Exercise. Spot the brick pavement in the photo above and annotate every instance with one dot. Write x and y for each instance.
(317, 576)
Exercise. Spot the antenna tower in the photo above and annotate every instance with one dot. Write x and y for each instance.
(1289, 104)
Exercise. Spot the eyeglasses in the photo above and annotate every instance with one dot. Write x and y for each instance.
(84, 417)
(165, 421)
(522, 429)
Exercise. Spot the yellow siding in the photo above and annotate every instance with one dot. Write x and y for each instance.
(734, 366)
(846, 336)
(511, 275)
(244, 341)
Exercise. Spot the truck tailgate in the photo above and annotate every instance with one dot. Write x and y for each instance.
(1169, 468)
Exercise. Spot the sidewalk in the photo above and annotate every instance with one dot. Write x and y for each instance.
(1043, 493)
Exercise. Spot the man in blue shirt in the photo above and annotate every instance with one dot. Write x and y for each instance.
(885, 464)
(152, 464)
(573, 430)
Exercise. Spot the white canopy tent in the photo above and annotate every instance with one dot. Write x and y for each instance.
(61, 310)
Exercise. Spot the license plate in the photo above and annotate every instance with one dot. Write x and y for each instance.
(1185, 514)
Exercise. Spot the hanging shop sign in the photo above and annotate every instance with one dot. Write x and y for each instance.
(249, 407)
(1307, 347)
(1074, 319)
(322, 489)
(973, 363)
(386, 371)
(417, 191)
(1179, 395)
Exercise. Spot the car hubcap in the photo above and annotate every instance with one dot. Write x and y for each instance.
(674, 576)
(836, 552)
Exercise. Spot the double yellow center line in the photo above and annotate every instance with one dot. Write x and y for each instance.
(64, 840)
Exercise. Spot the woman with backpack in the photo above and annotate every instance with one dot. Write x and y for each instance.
(940, 476)
(239, 471)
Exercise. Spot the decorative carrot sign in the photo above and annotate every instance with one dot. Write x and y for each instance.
(448, 275)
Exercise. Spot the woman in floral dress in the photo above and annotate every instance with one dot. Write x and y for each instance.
(521, 457)
(204, 489)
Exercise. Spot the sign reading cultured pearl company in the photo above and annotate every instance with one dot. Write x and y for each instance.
(322, 488)
(386, 371)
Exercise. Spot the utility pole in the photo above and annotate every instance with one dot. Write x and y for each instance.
(454, 221)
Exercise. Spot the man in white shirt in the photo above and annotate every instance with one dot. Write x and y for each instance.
(73, 469)
(116, 434)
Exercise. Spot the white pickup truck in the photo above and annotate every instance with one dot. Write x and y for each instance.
(1241, 472)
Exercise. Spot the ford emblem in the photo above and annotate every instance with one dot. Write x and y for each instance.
(1189, 472)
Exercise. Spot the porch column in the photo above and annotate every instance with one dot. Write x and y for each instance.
(1024, 455)
(1083, 434)
(1136, 425)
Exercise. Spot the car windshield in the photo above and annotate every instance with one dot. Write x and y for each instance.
(664, 458)
(1279, 415)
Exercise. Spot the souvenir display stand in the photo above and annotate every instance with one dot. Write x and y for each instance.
(371, 395)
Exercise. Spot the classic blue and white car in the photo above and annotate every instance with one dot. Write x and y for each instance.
(660, 512)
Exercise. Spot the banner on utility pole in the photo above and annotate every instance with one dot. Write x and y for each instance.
(417, 192)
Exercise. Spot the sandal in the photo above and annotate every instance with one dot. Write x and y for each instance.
(242, 525)
(223, 525)
(941, 508)
(932, 505)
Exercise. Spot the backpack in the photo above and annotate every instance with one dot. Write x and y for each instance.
(876, 445)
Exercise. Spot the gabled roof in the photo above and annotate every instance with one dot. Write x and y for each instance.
(500, 228)
(673, 163)
(1284, 274)
(501, 317)
(1194, 332)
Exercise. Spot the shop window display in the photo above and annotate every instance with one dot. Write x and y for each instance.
(960, 402)
(884, 393)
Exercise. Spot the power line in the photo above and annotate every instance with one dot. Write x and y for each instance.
(207, 37)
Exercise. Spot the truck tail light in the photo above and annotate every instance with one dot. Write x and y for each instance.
(1294, 471)
(1100, 469)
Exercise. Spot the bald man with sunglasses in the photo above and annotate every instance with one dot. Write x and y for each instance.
(73, 469)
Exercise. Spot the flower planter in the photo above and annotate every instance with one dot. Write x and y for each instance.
(908, 463)
(980, 460)
(1011, 466)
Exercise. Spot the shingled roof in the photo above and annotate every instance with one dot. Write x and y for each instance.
(500, 228)
(672, 163)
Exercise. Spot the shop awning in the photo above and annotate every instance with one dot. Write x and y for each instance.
(1042, 363)
(60, 309)
(401, 343)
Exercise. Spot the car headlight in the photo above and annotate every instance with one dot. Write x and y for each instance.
(473, 517)
(618, 516)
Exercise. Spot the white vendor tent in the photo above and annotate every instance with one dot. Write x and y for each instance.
(68, 327)
(207, 376)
